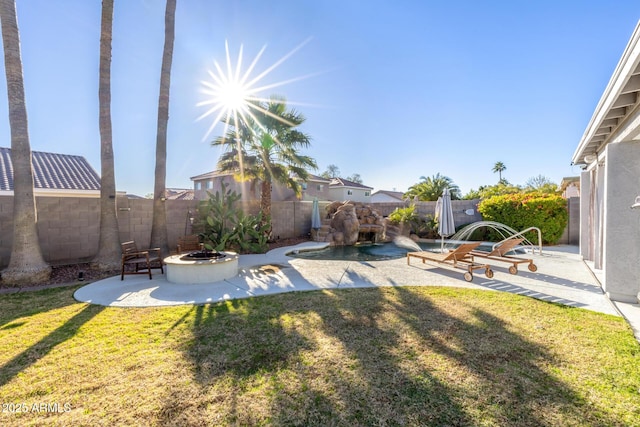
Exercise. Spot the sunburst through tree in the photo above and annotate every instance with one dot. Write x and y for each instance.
(260, 138)
(233, 95)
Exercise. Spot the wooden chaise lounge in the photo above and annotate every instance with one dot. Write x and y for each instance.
(459, 257)
(499, 253)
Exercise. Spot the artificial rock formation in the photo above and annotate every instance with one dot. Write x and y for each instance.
(351, 222)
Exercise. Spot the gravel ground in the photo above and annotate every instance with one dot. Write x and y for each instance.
(66, 275)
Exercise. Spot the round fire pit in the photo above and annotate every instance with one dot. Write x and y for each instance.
(201, 267)
(202, 255)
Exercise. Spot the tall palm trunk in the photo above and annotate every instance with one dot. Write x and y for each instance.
(159, 224)
(265, 203)
(108, 257)
(26, 265)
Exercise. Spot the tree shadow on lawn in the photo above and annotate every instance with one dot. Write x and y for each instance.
(40, 349)
(23, 304)
(512, 387)
(357, 357)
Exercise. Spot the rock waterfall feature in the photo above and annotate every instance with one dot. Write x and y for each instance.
(353, 222)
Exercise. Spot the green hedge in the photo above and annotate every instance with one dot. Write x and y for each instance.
(520, 211)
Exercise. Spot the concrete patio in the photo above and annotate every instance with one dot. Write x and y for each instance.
(562, 277)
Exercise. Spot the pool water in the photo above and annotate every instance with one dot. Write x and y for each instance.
(370, 252)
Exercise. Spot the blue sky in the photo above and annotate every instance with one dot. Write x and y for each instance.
(396, 89)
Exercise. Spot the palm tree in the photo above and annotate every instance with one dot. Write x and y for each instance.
(432, 187)
(108, 255)
(264, 148)
(159, 223)
(499, 167)
(26, 264)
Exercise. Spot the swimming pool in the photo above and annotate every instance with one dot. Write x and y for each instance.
(370, 252)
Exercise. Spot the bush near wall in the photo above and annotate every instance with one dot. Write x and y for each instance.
(548, 212)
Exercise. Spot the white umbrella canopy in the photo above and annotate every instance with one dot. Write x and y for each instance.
(444, 215)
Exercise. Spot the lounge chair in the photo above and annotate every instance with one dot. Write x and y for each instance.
(499, 253)
(459, 257)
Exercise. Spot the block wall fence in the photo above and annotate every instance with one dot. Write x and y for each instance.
(68, 227)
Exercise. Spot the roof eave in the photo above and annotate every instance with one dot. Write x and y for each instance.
(628, 65)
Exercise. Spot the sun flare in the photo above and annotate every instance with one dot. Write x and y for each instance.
(234, 93)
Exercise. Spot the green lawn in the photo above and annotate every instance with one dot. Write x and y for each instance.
(390, 356)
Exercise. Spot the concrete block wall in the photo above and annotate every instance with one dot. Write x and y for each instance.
(293, 219)
(425, 209)
(135, 217)
(571, 234)
(6, 229)
(68, 227)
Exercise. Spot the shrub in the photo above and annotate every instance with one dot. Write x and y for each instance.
(520, 211)
(407, 215)
(227, 227)
(427, 227)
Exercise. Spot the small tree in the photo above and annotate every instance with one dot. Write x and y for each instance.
(332, 172)
(355, 178)
(541, 184)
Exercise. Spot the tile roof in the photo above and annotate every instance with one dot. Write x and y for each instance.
(318, 178)
(179, 194)
(52, 171)
(212, 174)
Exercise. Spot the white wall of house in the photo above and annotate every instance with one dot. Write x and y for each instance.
(610, 154)
(621, 224)
(350, 193)
(383, 198)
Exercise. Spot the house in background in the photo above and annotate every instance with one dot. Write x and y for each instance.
(179, 194)
(341, 189)
(570, 187)
(385, 196)
(213, 181)
(314, 187)
(54, 175)
(609, 153)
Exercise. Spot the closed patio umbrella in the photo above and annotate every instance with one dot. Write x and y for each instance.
(444, 215)
(316, 223)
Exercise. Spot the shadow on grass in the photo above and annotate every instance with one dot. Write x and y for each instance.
(23, 304)
(369, 357)
(512, 387)
(43, 347)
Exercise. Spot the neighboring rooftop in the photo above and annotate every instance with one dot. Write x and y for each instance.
(179, 194)
(390, 194)
(317, 178)
(209, 175)
(341, 182)
(52, 171)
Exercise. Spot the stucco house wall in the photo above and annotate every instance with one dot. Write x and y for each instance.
(609, 153)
